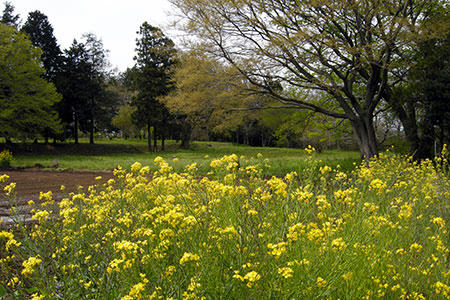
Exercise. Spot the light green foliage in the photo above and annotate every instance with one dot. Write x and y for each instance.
(207, 92)
(349, 51)
(124, 121)
(26, 98)
(299, 128)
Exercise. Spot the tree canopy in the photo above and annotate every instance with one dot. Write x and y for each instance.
(346, 50)
(26, 99)
(8, 17)
(207, 93)
(155, 59)
(41, 35)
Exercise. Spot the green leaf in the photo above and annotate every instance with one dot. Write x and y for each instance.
(3, 291)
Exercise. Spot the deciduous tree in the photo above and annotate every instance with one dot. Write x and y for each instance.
(206, 93)
(26, 99)
(40, 32)
(346, 50)
(124, 121)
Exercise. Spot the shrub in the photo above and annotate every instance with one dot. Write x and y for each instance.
(5, 159)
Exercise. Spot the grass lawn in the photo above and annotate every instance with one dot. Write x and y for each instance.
(108, 154)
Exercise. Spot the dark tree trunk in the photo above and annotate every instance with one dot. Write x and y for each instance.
(364, 132)
(91, 123)
(155, 140)
(420, 146)
(75, 129)
(91, 133)
(246, 137)
(426, 146)
(149, 137)
(185, 143)
(186, 131)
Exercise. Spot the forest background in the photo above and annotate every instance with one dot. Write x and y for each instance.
(358, 76)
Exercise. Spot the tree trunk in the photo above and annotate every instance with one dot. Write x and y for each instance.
(364, 132)
(155, 140)
(92, 127)
(149, 137)
(420, 147)
(75, 128)
(425, 148)
(185, 136)
(91, 133)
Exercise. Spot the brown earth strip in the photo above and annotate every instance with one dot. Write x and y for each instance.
(29, 184)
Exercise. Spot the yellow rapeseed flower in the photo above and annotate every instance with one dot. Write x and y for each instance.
(286, 272)
(187, 257)
(36, 296)
(29, 264)
(252, 277)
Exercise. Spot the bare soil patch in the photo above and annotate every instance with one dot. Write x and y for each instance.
(30, 182)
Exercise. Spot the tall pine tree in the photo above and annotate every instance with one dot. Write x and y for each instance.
(155, 58)
(74, 83)
(41, 35)
(8, 17)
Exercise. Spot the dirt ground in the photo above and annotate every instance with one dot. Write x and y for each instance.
(30, 182)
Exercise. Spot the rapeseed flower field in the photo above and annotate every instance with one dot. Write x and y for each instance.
(380, 231)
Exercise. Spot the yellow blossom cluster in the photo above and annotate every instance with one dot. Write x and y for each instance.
(379, 231)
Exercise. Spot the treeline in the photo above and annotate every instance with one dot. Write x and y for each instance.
(48, 92)
(333, 84)
(166, 94)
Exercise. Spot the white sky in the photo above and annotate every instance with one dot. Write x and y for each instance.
(115, 22)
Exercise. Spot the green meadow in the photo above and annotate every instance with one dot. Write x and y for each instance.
(108, 154)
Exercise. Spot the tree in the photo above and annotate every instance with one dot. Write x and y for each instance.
(74, 82)
(40, 32)
(8, 17)
(155, 59)
(124, 121)
(433, 78)
(82, 81)
(424, 106)
(41, 35)
(206, 94)
(26, 99)
(345, 50)
(107, 106)
(96, 89)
